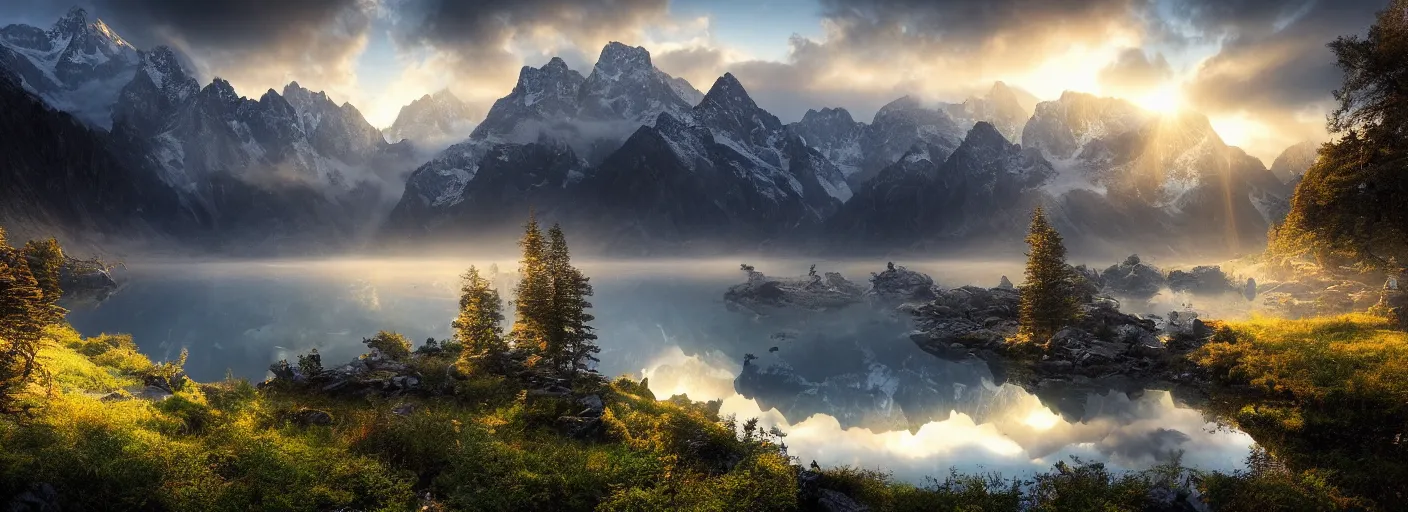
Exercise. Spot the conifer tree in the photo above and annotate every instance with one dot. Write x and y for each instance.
(21, 323)
(533, 295)
(1047, 297)
(46, 259)
(571, 339)
(479, 325)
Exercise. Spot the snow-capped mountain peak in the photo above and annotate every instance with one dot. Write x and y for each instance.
(76, 66)
(542, 95)
(618, 60)
(625, 86)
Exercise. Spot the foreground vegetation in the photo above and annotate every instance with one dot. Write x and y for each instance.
(1327, 397)
(492, 445)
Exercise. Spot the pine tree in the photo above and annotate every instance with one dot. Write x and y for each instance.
(571, 339)
(1348, 208)
(21, 323)
(46, 260)
(479, 326)
(1047, 297)
(533, 295)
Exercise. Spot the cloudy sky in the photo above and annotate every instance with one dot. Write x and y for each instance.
(1258, 68)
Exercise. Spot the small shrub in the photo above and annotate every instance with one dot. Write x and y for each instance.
(390, 345)
(311, 364)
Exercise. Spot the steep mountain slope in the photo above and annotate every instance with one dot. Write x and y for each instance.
(728, 172)
(75, 66)
(62, 178)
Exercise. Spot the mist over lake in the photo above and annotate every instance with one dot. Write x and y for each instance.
(917, 415)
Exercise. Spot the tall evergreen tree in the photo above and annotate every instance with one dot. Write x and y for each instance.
(1048, 299)
(571, 338)
(46, 260)
(479, 326)
(533, 295)
(1349, 206)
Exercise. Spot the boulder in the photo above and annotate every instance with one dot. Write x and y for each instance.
(898, 284)
(579, 427)
(594, 406)
(311, 417)
(1201, 280)
(153, 393)
(834, 501)
(404, 409)
(1133, 278)
(1249, 291)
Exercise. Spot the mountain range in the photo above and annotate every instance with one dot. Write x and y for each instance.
(635, 159)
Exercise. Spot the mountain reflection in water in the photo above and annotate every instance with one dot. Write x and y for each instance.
(848, 387)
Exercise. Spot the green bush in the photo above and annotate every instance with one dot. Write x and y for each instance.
(390, 345)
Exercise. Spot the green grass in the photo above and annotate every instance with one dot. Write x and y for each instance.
(1326, 396)
(492, 446)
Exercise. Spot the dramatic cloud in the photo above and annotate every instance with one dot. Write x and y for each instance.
(1134, 72)
(254, 44)
(1258, 68)
(1273, 72)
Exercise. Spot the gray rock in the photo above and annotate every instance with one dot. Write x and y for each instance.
(404, 409)
(1005, 284)
(1249, 291)
(834, 501)
(311, 417)
(1133, 278)
(763, 294)
(899, 284)
(1201, 280)
(594, 406)
(579, 427)
(153, 393)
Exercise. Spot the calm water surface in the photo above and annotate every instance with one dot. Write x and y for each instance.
(848, 387)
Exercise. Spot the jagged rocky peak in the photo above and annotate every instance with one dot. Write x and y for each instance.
(625, 86)
(543, 94)
(727, 108)
(219, 91)
(983, 137)
(835, 117)
(617, 59)
(148, 102)
(71, 23)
